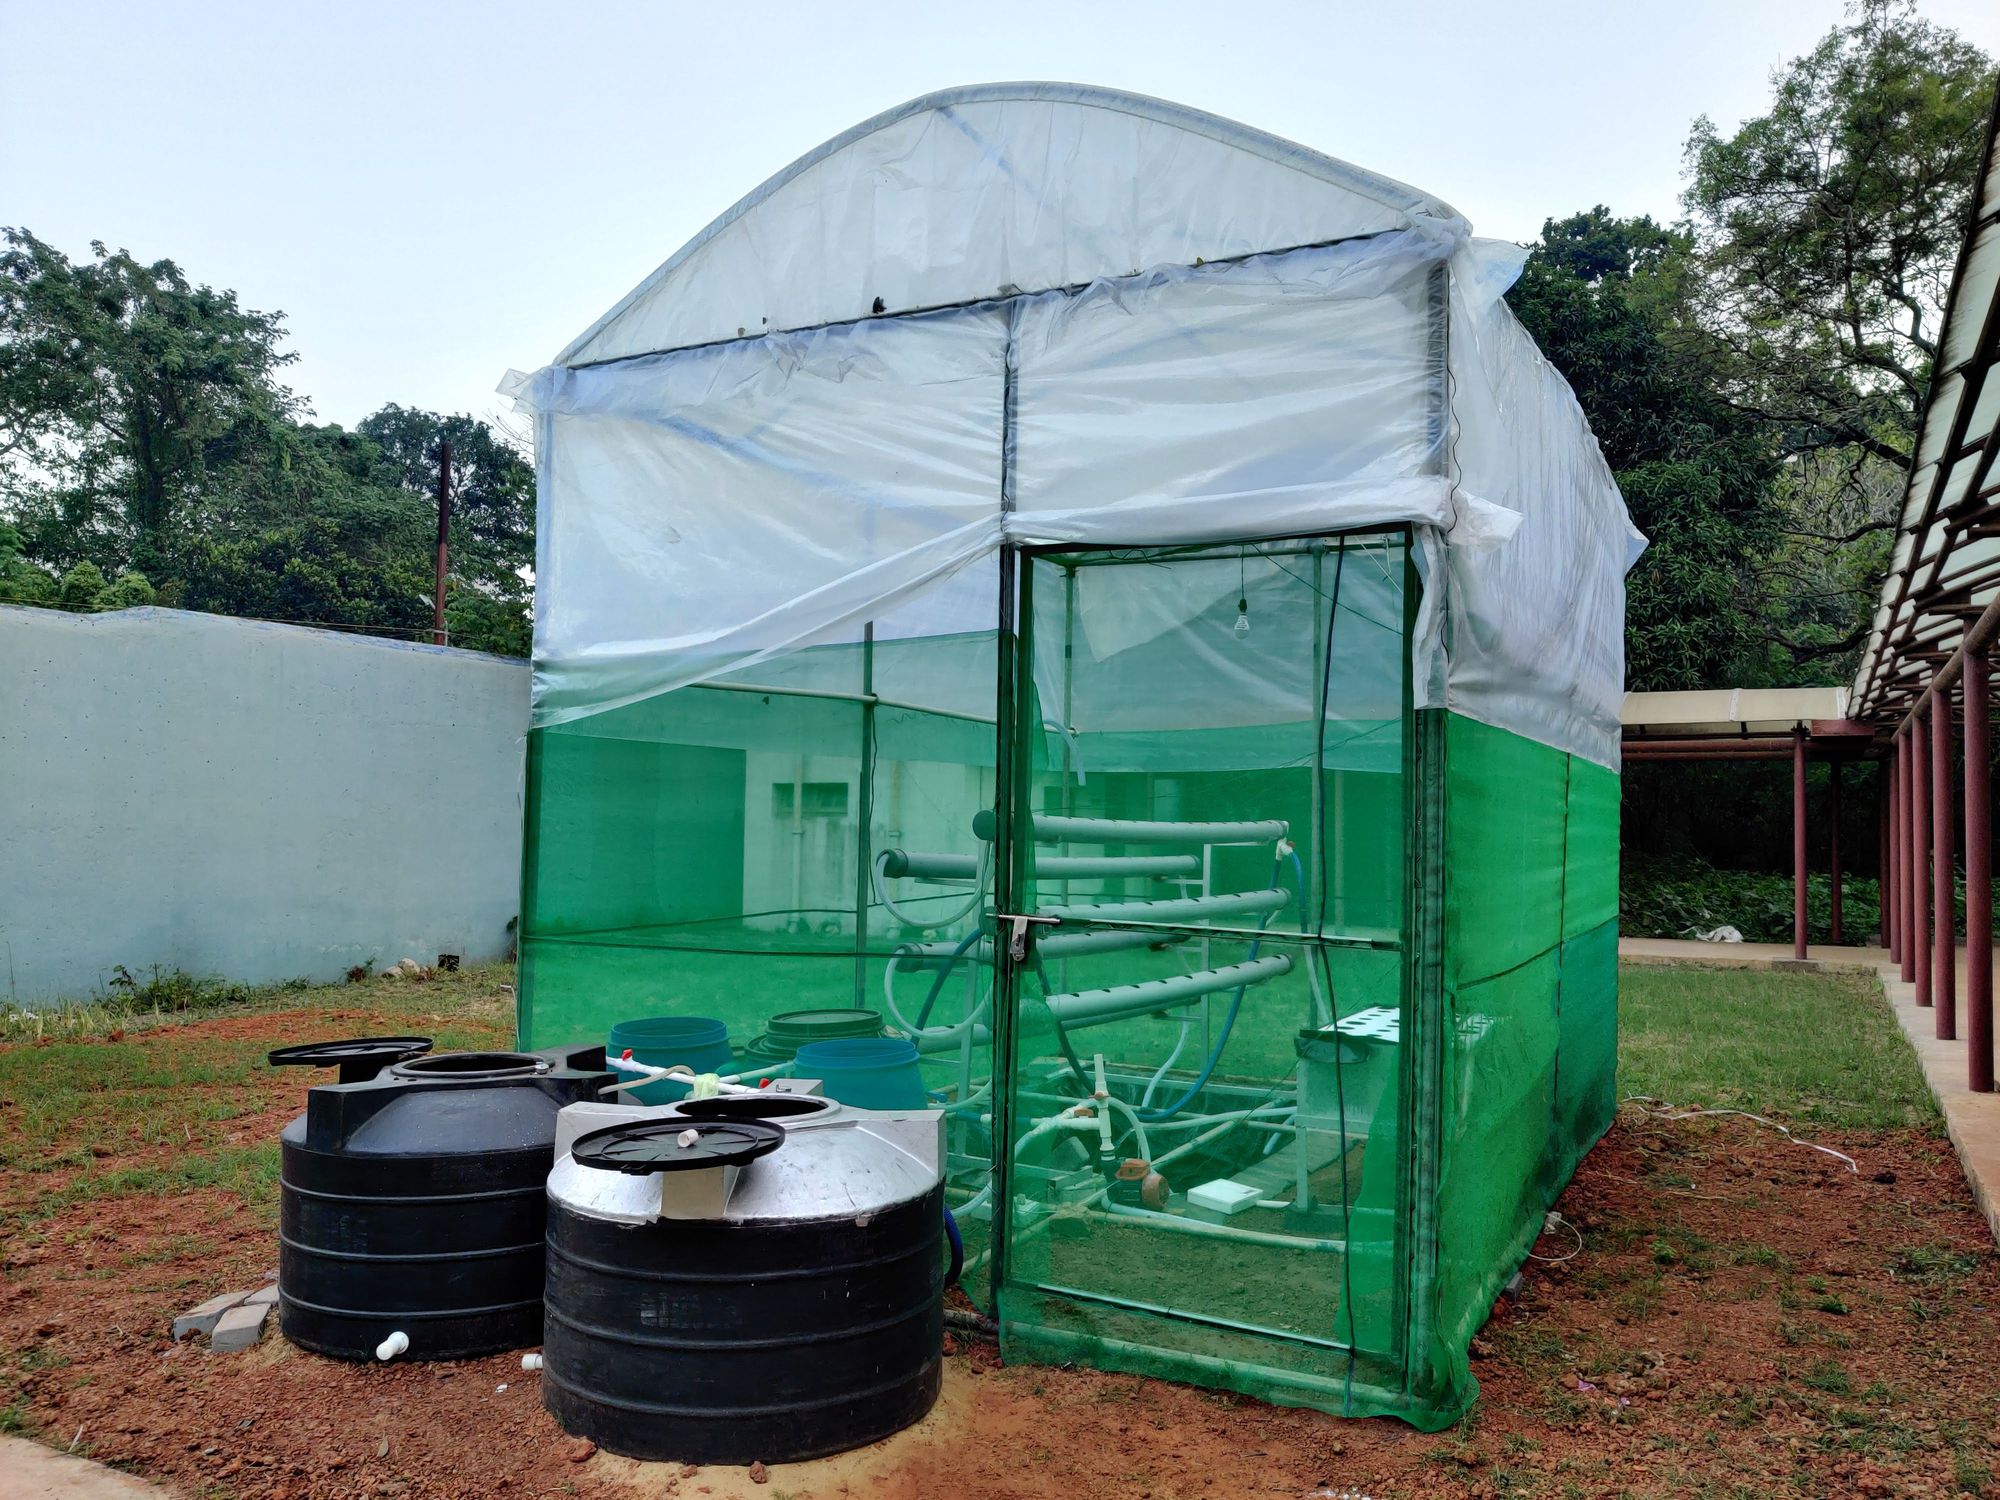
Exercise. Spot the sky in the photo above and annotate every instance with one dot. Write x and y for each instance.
(434, 191)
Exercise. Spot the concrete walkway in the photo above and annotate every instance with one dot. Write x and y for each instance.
(1821, 959)
(28, 1471)
(1971, 1120)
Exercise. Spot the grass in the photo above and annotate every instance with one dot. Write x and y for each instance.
(88, 1110)
(1821, 1049)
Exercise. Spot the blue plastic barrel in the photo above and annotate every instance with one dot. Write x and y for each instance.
(875, 1072)
(661, 1041)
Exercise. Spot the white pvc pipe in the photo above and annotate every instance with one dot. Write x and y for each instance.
(1173, 909)
(1093, 1007)
(392, 1346)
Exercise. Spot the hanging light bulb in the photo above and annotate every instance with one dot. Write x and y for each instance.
(1242, 616)
(1243, 591)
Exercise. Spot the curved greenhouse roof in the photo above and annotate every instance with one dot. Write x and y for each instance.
(1036, 313)
(990, 191)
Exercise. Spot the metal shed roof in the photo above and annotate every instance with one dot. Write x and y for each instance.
(1945, 569)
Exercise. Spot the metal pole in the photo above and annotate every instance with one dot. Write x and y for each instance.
(1944, 958)
(1007, 784)
(1834, 934)
(1905, 915)
(443, 541)
(864, 829)
(1978, 877)
(1920, 853)
(1799, 843)
(1885, 853)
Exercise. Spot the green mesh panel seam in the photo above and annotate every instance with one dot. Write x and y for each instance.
(1562, 931)
(524, 919)
(1423, 1062)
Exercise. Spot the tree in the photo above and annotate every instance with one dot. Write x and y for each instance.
(148, 450)
(492, 551)
(21, 582)
(1608, 300)
(125, 393)
(1829, 229)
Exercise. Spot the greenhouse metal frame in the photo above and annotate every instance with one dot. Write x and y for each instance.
(1114, 598)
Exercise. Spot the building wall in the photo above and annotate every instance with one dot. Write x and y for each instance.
(250, 801)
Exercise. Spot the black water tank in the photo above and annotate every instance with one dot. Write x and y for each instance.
(413, 1200)
(713, 1310)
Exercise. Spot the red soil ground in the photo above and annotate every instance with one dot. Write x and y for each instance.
(1745, 1318)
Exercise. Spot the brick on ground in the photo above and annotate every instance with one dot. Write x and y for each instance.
(203, 1319)
(239, 1328)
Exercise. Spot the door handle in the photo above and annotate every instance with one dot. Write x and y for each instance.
(1017, 940)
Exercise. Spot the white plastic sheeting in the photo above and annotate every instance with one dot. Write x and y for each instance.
(986, 192)
(710, 503)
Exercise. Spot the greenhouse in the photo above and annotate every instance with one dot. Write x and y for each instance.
(1115, 599)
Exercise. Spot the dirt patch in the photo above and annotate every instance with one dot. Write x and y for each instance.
(1744, 1317)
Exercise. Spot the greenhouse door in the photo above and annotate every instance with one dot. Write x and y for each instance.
(1200, 886)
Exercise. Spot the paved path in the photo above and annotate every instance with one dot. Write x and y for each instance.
(28, 1471)
(1971, 1120)
(1746, 955)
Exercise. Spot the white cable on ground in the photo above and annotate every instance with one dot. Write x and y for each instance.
(1669, 1112)
(1548, 1225)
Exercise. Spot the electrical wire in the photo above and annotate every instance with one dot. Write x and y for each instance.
(1670, 1112)
(1548, 1225)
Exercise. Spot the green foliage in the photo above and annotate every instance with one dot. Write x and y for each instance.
(149, 454)
(1608, 300)
(1828, 231)
(1677, 897)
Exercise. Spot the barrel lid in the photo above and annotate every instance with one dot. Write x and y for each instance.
(785, 1033)
(474, 1067)
(359, 1058)
(676, 1145)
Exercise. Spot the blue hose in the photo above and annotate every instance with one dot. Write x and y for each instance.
(944, 973)
(957, 1249)
(1154, 1116)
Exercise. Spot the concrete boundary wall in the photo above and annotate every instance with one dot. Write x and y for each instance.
(248, 801)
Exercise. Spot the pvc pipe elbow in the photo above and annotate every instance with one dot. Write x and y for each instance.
(392, 1346)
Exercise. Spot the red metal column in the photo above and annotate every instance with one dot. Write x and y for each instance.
(1944, 923)
(1885, 845)
(1899, 825)
(1920, 852)
(1978, 878)
(1798, 843)
(1834, 934)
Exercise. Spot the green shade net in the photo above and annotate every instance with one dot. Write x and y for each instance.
(1324, 1020)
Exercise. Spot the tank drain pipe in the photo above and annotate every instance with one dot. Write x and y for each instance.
(971, 1322)
(392, 1346)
